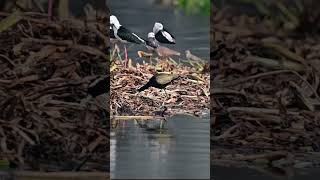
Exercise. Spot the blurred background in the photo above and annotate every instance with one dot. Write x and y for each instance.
(188, 21)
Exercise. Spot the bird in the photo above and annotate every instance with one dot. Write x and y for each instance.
(160, 81)
(113, 38)
(151, 42)
(153, 45)
(124, 35)
(162, 35)
(99, 86)
(192, 57)
(98, 94)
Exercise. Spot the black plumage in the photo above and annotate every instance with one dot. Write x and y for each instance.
(159, 81)
(126, 35)
(99, 86)
(161, 37)
(112, 34)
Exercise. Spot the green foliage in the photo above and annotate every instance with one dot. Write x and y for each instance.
(195, 6)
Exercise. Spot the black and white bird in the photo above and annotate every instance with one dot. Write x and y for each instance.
(124, 35)
(151, 42)
(162, 35)
(153, 45)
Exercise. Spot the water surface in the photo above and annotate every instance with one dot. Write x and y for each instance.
(191, 31)
(137, 153)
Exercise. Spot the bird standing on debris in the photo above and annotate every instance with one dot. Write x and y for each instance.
(124, 35)
(159, 81)
(162, 35)
(98, 94)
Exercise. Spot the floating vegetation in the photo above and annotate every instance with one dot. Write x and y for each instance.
(188, 94)
(265, 93)
(46, 68)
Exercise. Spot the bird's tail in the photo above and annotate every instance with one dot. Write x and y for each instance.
(146, 86)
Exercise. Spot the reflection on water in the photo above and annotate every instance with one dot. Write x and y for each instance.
(183, 152)
(191, 32)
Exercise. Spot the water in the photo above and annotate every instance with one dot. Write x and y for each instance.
(191, 32)
(137, 153)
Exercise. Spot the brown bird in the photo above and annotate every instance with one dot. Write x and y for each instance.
(192, 57)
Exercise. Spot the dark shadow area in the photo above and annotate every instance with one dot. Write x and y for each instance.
(54, 89)
(264, 89)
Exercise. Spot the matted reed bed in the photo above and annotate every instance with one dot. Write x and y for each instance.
(188, 95)
(266, 105)
(46, 68)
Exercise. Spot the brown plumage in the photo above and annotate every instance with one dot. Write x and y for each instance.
(159, 81)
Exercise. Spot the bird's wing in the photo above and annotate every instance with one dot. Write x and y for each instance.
(168, 36)
(127, 35)
(164, 78)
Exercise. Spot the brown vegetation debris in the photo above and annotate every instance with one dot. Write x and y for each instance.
(265, 86)
(45, 70)
(188, 94)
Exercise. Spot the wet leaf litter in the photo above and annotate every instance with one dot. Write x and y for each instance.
(188, 94)
(265, 95)
(46, 122)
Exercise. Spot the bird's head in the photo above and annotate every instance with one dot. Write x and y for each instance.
(114, 21)
(157, 27)
(151, 35)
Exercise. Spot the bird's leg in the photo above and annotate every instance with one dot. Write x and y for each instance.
(126, 56)
(50, 4)
(165, 97)
(165, 93)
